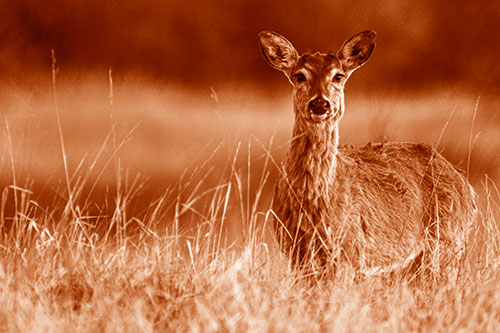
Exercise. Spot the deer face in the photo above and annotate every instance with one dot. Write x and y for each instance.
(318, 79)
(318, 82)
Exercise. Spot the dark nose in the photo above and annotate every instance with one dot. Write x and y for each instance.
(319, 106)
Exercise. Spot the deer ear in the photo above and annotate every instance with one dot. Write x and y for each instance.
(356, 50)
(278, 51)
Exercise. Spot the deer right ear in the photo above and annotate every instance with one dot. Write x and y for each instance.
(356, 50)
(278, 51)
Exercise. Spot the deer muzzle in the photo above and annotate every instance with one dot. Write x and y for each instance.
(319, 108)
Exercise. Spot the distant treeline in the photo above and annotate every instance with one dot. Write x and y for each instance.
(420, 43)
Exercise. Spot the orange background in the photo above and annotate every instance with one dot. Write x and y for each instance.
(421, 44)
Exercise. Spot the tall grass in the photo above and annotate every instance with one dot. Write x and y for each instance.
(77, 255)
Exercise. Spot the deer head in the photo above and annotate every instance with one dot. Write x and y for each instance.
(318, 79)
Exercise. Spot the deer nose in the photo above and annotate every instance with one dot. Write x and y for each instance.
(319, 106)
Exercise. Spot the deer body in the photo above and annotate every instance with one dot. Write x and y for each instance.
(376, 208)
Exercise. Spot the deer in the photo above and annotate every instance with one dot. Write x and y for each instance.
(378, 209)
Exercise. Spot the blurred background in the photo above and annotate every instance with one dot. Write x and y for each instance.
(190, 99)
(421, 44)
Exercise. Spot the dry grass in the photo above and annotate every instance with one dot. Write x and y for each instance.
(185, 246)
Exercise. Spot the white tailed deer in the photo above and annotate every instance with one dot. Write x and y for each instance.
(379, 208)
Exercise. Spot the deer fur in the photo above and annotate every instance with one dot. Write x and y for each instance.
(378, 208)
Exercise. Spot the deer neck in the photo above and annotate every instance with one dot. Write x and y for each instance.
(312, 159)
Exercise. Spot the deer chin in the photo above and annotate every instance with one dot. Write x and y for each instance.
(319, 117)
(322, 116)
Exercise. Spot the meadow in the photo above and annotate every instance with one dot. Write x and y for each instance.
(133, 206)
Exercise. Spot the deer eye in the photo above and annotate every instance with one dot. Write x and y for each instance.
(299, 77)
(338, 77)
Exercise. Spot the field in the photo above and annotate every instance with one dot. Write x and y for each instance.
(131, 206)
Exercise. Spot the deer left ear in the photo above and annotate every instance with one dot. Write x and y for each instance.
(356, 50)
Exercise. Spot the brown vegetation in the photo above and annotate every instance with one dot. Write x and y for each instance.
(168, 230)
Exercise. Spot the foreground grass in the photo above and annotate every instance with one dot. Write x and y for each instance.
(77, 255)
(61, 284)
(61, 270)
